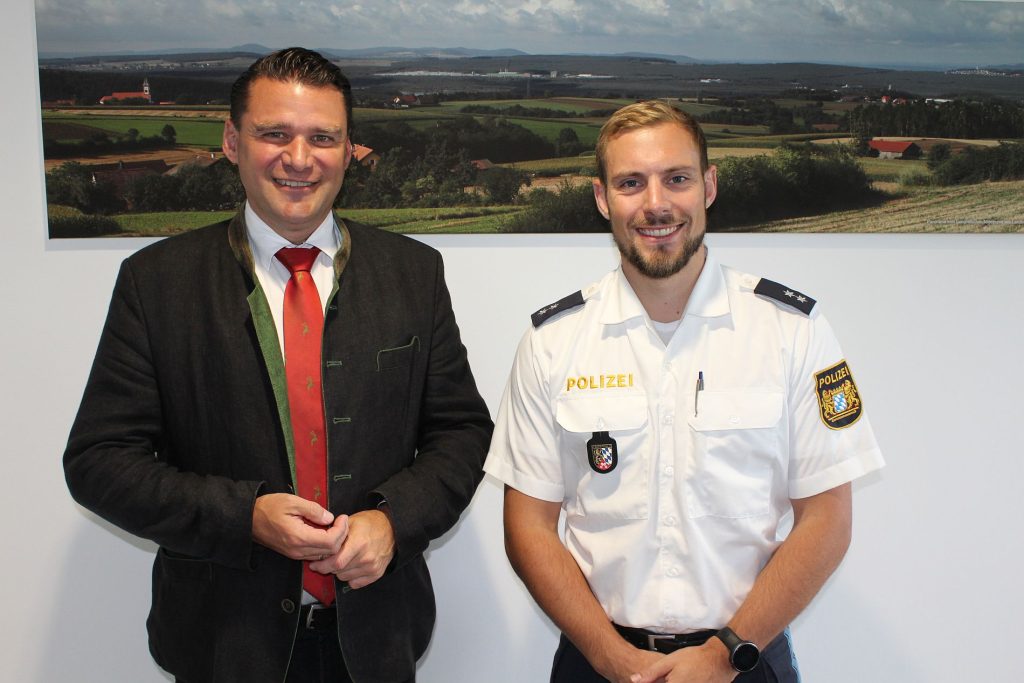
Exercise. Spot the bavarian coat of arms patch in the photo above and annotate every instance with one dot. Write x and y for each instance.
(838, 399)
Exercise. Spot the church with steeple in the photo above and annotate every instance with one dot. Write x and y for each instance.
(144, 94)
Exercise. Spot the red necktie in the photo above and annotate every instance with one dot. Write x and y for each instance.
(303, 334)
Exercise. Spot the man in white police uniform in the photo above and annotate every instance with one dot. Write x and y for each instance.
(678, 411)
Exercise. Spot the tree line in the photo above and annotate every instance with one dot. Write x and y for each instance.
(795, 181)
(956, 119)
(519, 110)
(976, 164)
(762, 111)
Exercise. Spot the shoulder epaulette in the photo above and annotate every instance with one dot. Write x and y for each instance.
(572, 301)
(785, 295)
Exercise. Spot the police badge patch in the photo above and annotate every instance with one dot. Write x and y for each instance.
(602, 453)
(838, 399)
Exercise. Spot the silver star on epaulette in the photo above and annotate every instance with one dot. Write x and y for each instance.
(802, 299)
(789, 293)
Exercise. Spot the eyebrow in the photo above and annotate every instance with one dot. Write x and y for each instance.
(668, 171)
(261, 127)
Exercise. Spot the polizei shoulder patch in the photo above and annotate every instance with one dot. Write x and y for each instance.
(564, 304)
(785, 295)
(838, 398)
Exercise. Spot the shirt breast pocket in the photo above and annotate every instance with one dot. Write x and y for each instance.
(622, 493)
(737, 451)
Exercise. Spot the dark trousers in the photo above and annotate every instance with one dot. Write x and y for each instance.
(316, 655)
(777, 665)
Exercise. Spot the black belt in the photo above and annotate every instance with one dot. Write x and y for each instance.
(660, 642)
(318, 617)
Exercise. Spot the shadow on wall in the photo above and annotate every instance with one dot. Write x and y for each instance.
(97, 631)
(488, 626)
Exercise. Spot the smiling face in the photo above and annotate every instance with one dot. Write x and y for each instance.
(292, 148)
(656, 198)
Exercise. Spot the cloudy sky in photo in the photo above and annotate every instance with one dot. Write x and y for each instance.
(967, 32)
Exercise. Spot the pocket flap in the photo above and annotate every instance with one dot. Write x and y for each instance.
(602, 413)
(720, 410)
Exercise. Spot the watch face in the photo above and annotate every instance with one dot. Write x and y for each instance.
(745, 657)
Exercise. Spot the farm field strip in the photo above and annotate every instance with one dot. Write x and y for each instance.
(983, 208)
(205, 132)
(417, 220)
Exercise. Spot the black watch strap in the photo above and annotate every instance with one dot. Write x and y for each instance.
(743, 654)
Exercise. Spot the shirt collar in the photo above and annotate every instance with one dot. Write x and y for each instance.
(709, 297)
(266, 243)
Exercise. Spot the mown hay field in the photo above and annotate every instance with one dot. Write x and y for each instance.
(983, 208)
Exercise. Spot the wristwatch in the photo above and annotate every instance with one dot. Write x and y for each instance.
(743, 654)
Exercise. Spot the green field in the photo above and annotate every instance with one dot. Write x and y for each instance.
(714, 131)
(550, 128)
(459, 219)
(422, 114)
(162, 223)
(201, 132)
(575, 105)
(891, 170)
(556, 167)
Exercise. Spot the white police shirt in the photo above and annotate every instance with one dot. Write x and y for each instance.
(673, 537)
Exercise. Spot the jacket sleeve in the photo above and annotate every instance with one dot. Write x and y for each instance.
(426, 498)
(115, 462)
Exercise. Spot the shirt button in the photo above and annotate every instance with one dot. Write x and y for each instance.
(670, 521)
(669, 471)
(674, 571)
(287, 606)
(668, 419)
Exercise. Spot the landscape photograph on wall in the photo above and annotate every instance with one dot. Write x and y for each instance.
(479, 116)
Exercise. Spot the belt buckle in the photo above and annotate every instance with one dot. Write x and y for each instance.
(313, 608)
(653, 638)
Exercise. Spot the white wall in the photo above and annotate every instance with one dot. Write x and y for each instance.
(932, 326)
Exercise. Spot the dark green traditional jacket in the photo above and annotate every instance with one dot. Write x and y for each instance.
(184, 421)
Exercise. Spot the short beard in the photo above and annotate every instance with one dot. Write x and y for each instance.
(661, 266)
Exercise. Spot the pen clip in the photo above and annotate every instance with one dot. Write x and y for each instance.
(696, 392)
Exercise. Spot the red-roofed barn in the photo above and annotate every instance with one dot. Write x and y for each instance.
(895, 149)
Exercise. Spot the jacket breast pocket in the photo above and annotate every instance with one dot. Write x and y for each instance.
(399, 356)
(622, 493)
(736, 438)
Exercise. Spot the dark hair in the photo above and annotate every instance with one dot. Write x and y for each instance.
(642, 115)
(291, 64)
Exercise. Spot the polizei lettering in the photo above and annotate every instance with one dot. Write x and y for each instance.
(833, 377)
(617, 381)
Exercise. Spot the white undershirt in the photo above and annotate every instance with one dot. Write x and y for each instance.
(666, 330)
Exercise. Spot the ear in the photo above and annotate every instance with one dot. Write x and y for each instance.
(710, 186)
(601, 198)
(349, 152)
(229, 142)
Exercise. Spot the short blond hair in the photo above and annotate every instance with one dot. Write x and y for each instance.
(642, 115)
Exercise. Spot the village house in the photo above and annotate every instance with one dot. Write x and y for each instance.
(365, 156)
(121, 173)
